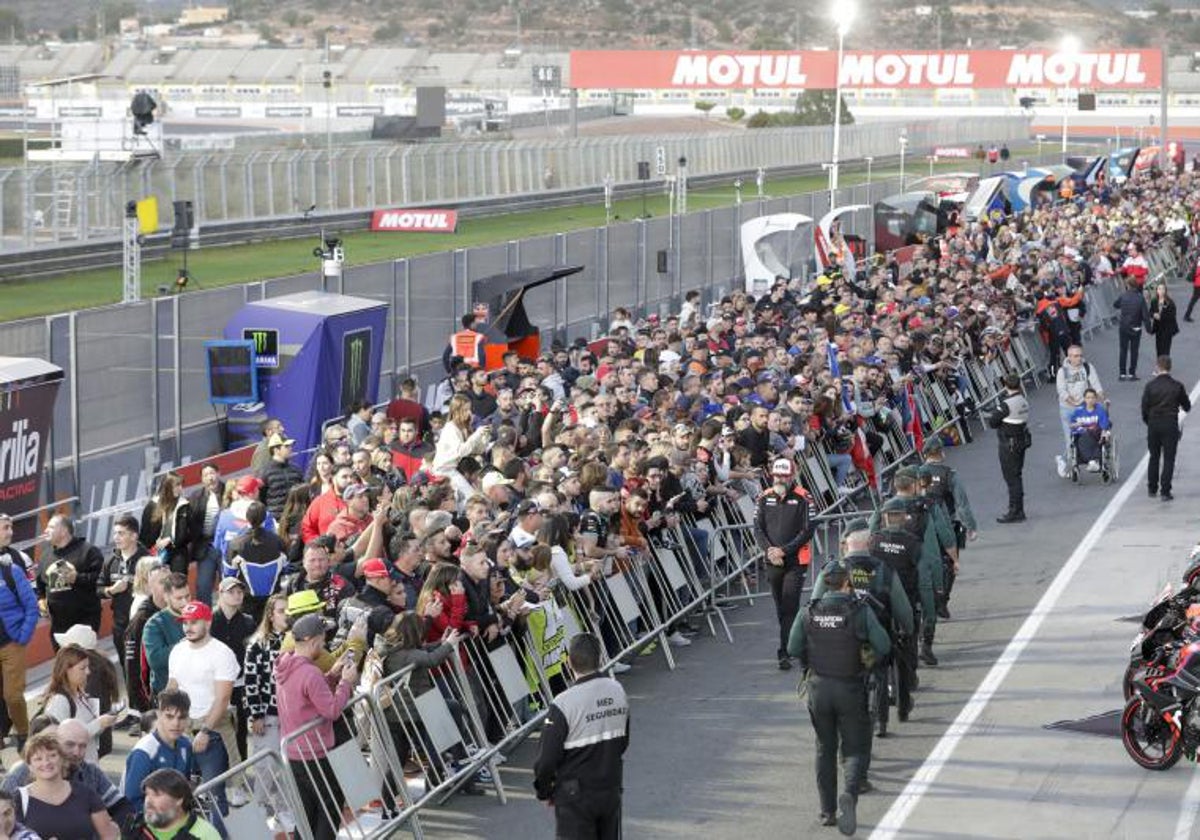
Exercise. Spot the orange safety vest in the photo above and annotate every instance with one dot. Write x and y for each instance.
(465, 343)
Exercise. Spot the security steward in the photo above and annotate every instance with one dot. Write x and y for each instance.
(837, 640)
(1010, 419)
(877, 584)
(579, 766)
(920, 522)
(943, 527)
(1162, 399)
(895, 544)
(783, 522)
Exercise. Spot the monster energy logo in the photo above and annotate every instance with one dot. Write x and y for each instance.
(356, 349)
(266, 346)
(356, 364)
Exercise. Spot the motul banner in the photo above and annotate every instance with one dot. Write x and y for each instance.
(415, 221)
(952, 152)
(817, 69)
(27, 391)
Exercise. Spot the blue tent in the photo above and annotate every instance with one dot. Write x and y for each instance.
(316, 353)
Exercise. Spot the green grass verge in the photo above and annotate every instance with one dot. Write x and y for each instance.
(225, 266)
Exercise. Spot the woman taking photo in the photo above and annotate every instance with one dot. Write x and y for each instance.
(166, 524)
(67, 697)
(55, 807)
(456, 442)
(1163, 321)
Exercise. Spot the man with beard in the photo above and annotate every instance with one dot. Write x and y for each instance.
(205, 669)
(170, 810)
(66, 583)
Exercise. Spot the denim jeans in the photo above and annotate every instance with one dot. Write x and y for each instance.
(212, 763)
(840, 463)
(208, 562)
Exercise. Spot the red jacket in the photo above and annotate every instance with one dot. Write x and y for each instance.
(321, 512)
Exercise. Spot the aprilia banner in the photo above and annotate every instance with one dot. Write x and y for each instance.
(27, 391)
(817, 69)
(415, 221)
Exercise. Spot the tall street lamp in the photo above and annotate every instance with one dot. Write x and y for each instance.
(1068, 48)
(843, 15)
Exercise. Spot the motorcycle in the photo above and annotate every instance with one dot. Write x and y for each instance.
(1161, 721)
(1163, 625)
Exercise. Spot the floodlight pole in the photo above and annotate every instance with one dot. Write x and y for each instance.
(132, 257)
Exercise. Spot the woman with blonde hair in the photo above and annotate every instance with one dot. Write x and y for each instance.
(456, 442)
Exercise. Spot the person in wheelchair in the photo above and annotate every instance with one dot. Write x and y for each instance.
(1090, 430)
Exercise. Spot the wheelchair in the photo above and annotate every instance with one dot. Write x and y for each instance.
(1110, 468)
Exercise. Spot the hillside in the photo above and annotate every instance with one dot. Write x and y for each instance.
(479, 25)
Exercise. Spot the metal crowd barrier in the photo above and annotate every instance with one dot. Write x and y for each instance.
(268, 802)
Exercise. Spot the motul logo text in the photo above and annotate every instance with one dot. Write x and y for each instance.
(417, 221)
(752, 70)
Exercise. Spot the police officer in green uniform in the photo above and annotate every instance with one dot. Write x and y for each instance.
(921, 523)
(946, 485)
(943, 527)
(877, 583)
(899, 548)
(831, 638)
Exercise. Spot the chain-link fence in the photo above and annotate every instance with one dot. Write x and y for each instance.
(44, 204)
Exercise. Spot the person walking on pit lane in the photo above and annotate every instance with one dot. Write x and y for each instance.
(831, 639)
(894, 544)
(1072, 380)
(1010, 419)
(919, 522)
(1133, 317)
(1162, 399)
(783, 522)
(877, 583)
(946, 486)
(946, 537)
(579, 767)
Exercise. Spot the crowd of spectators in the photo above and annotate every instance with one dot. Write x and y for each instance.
(407, 529)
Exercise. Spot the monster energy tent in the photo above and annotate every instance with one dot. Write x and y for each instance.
(316, 353)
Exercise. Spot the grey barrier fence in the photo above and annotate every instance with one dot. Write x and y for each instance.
(135, 395)
(47, 203)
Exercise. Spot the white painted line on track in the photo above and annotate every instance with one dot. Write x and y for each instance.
(892, 823)
(1191, 806)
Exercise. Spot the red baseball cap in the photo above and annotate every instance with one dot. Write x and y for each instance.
(196, 611)
(375, 568)
(249, 485)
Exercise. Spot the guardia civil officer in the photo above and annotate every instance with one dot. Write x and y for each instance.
(879, 585)
(831, 638)
(1162, 399)
(930, 537)
(945, 485)
(783, 523)
(1010, 419)
(894, 542)
(579, 766)
(947, 539)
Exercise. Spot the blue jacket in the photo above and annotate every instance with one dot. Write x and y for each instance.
(19, 609)
(150, 754)
(1134, 313)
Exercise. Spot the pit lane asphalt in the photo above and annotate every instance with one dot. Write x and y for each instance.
(722, 748)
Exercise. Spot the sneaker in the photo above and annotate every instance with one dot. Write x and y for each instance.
(483, 776)
(677, 639)
(651, 647)
(847, 819)
(1061, 463)
(785, 663)
(620, 668)
(1093, 466)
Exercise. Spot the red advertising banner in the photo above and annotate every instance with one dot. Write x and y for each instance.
(817, 69)
(27, 391)
(415, 221)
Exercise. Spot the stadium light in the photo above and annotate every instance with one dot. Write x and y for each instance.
(1068, 48)
(842, 12)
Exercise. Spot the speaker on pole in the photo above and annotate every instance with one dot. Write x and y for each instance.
(643, 170)
(662, 262)
(185, 219)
